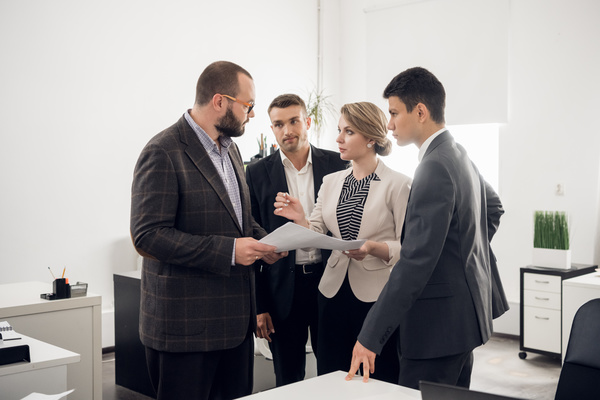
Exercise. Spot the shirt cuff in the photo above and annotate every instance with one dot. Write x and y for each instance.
(233, 253)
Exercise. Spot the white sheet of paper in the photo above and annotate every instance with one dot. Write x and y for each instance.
(292, 236)
(39, 396)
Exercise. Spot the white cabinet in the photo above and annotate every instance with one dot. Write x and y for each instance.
(541, 308)
(73, 324)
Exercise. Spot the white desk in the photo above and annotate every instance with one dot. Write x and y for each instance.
(333, 386)
(73, 324)
(46, 373)
(576, 292)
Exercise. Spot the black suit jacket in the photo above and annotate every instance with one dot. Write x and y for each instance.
(440, 291)
(266, 177)
(184, 224)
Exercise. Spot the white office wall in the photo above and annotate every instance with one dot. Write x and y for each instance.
(85, 84)
(553, 62)
(550, 137)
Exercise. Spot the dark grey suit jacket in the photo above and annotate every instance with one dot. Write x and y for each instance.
(184, 224)
(440, 291)
(266, 177)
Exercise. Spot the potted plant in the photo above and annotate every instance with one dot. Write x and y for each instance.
(318, 107)
(551, 240)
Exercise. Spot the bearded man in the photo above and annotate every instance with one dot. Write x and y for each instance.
(191, 221)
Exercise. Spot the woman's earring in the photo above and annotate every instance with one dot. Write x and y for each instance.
(369, 145)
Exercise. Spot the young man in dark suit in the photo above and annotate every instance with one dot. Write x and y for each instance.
(287, 290)
(440, 292)
(191, 220)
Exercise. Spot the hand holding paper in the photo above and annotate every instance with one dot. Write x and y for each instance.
(293, 236)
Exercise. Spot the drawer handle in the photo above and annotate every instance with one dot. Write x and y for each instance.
(542, 298)
(544, 318)
(536, 281)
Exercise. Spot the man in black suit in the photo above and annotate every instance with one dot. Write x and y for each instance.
(440, 292)
(191, 220)
(287, 290)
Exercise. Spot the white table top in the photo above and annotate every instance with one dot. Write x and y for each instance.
(24, 298)
(43, 355)
(591, 280)
(333, 386)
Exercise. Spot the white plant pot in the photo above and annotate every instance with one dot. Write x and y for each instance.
(552, 258)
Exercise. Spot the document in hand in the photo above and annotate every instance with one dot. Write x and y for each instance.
(292, 237)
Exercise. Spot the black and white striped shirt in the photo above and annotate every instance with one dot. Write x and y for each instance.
(351, 205)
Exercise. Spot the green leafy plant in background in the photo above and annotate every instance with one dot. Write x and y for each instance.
(318, 108)
(551, 230)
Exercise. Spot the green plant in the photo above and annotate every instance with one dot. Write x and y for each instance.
(318, 108)
(551, 230)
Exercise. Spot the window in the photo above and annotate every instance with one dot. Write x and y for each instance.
(480, 140)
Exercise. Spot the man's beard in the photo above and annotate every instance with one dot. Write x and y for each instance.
(229, 126)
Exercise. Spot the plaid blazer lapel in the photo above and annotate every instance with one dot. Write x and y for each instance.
(204, 164)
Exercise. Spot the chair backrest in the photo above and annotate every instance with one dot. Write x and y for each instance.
(580, 374)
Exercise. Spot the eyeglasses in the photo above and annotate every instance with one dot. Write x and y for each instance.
(249, 105)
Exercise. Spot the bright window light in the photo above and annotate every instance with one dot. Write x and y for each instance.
(480, 141)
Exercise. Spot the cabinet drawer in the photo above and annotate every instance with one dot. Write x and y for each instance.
(536, 298)
(542, 329)
(545, 283)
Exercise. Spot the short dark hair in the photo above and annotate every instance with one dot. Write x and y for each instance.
(287, 100)
(219, 77)
(418, 85)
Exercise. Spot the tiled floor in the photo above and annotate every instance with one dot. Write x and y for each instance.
(498, 369)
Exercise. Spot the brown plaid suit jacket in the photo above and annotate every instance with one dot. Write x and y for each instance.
(184, 225)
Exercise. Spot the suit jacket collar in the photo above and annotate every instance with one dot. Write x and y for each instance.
(320, 165)
(442, 138)
(200, 158)
(276, 170)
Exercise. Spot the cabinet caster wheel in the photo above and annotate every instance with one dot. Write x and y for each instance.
(522, 355)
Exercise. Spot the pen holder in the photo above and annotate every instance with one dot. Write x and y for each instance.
(61, 288)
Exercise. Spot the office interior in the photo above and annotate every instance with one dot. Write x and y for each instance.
(85, 84)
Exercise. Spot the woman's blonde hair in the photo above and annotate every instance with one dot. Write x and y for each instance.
(371, 122)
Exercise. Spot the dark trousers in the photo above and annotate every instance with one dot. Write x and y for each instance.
(288, 343)
(452, 370)
(218, 375)
(340, 321)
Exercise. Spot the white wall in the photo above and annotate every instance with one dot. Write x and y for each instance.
(550, 138)
(85, 84)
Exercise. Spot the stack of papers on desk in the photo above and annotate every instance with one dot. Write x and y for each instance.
(292, 236)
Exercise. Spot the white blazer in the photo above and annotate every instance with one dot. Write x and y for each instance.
(382, 220)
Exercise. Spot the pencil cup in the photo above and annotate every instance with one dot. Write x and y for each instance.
(61, 288)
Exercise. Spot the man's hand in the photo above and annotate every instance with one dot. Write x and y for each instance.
(248, 250)
(264, 326)
(364, 356)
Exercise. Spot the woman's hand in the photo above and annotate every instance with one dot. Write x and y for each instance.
(361, 253)
(289, 207)
(376, 249)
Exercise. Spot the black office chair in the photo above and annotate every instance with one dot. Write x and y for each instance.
(580, 375)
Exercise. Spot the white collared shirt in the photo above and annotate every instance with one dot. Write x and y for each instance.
(301, 184)
(426, 143)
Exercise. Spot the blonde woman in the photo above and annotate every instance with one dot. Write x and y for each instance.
(366, 201)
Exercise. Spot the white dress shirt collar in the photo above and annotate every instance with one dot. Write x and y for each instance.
(287, 163)
(426, 143)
